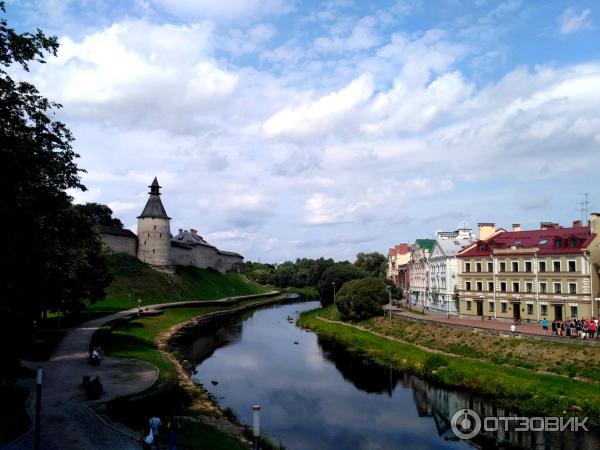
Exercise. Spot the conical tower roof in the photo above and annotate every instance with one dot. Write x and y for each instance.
(154, 207)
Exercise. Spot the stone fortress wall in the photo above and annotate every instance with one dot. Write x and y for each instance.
(155, 245)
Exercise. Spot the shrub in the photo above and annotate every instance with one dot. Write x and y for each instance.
(362, 299)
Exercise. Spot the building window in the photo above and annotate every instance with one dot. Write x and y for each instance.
(515, 266)
(557, 288)
(144, 242)
(467, 267)
(529, 309)
(543, 288)
(516, 287)
(558, 243)
(556, 266)
(502, 267)
(502, 286)
(573, 311)
(504, 307)
(479, 286)
(544, 310)
(572, 266)
(159, 234)
(529, 287)
(490, 267)
(527, 266)
(542, 266)
(152, 250)
(492, 306)
(491, 286)
(468, 305)
(468, 285)
(155, 227)
(478, 266)
(573, 242)
(572, 288)
(148, 234)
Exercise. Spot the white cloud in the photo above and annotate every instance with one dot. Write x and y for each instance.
(362, 36)
(570, 21)
(316, 117)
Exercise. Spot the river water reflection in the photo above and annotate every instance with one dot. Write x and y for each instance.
(315, 395)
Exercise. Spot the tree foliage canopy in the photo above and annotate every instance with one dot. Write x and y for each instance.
(373, 263)
(51, 255)
(99, 214)
(362, 299)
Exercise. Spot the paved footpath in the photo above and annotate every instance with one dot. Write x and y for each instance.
(67, 422)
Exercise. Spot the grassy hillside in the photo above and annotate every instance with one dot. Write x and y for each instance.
(133, 280)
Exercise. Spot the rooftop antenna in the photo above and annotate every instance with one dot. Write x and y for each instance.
(581, 211)
(586, 203)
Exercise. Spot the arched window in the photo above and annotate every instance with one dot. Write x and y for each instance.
(573, 242)
(155, 227)
(557, 243)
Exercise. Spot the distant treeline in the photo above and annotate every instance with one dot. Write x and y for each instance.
(324, 274)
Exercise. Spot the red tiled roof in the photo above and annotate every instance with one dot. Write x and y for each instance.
(400, 249)
(543, 240)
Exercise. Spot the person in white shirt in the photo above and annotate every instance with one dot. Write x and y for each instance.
(513, 328)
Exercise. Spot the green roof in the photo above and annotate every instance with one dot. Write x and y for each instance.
(426, 244)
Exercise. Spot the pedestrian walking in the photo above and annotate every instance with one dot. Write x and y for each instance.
(545, 325)
(154, 427)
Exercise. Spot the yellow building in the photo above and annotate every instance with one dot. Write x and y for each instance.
(530, 275)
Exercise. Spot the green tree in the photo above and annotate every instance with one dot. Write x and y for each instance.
(362, 299)
(373, 263)
(339, 274)
(50, 255)
(99, 214)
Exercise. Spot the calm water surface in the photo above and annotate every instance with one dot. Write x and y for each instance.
(315, 395)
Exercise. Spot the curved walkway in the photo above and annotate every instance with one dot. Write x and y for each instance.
(67, 421)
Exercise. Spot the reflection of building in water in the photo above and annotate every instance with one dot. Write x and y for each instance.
(441, 405)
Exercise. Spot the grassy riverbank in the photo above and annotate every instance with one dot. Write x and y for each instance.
(134, 279)
(169, 396)
(513, 387)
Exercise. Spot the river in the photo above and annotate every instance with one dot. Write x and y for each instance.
(316, 395)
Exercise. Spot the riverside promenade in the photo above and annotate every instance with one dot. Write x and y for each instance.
(68, 422)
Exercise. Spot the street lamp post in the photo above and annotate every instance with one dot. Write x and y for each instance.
(333, 283)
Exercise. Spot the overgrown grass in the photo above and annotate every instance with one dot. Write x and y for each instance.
(515, 388)
(133, 280)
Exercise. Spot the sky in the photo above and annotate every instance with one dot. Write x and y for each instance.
(286, 129)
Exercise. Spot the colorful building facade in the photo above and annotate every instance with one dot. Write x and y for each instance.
(549, 273)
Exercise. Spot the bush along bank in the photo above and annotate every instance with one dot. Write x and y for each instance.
(512, 388)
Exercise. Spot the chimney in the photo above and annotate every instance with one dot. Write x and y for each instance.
(548, 225)
(595, 223)
(577, 223)
(486, 229)
(193, 232)
(516, 226)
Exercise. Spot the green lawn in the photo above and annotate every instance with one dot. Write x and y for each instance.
(133, 280)
(516, 388)
(135, 339)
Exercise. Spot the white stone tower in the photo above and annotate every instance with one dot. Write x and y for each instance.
(154, 231)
